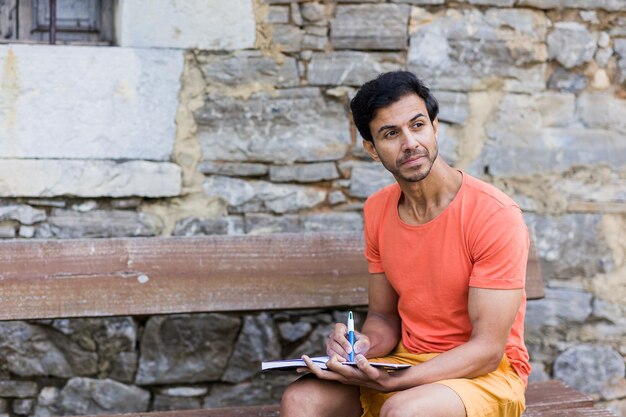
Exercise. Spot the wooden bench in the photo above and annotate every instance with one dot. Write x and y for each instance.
(143, 276)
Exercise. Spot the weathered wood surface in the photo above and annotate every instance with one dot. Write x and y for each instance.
(543, 399)
(140, 276)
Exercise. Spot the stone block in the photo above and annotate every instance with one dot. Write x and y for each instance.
(589, 368)
(68, 224)
(233, 169)
(314, 42)
(292, 332)
(335, 197)
(263, 389)
(453, 106)
(224, 25)
(420, 2)
(323, 171)
(186, 348)
(551, 150)
(184, 391)
(89, 102)
(448, 139)
(293, 125)
(350, 67)
(124, 366)
(332, 222)
(258, 223)
(166, 403)
(288, 38)
(603, 111)
(263, 195)
(22, 213)
(278, 14)
(256, 343)
(367, 178)
(570, 245)
(23, 406)
(571, 44)
(18, 389)
(609, 5)
(495, 3)
(367, 26)
(194, 226)
(313, 12)
(620, 49)
(54, 178)
(248, 67)
(560, 308)
(467, 49)
(564, 80)
(81, 396)
(31, 350)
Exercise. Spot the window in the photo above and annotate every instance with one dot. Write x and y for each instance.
(77, 21)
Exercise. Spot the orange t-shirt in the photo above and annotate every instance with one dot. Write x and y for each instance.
(480, 240)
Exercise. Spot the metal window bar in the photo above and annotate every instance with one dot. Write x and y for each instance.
(53, 22)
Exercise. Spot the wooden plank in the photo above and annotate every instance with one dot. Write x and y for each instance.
(104, 277)
(554, 395)
(534, 278)
(247, 411)
(138, 276)
(574, 412)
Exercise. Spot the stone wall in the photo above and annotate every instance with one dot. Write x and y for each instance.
(205, 129)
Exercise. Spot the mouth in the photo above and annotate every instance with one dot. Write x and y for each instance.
(413, 160)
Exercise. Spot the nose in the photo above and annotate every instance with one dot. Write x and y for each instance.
(409, 140)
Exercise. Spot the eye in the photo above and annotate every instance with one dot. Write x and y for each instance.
(417, 125)
(390, 133)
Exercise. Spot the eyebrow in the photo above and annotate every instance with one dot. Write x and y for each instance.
(414, 118)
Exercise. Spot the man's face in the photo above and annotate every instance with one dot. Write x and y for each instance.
(405, 141)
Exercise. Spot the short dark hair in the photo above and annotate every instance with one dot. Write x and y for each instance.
(385, 90)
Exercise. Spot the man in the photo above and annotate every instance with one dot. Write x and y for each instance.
(447, 254)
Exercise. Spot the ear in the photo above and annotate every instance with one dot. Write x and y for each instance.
(370, 149)
(436, 127)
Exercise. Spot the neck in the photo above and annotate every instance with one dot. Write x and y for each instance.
(424, 200)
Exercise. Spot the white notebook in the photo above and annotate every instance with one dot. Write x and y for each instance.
(290, 364)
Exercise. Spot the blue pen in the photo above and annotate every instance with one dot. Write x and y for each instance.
(351, 335)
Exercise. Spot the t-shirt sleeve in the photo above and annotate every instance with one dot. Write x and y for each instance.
(372, 252)
(500, 251)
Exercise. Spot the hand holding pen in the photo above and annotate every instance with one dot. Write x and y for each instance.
(339, 343)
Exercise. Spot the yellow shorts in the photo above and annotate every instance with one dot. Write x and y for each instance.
(497, 394)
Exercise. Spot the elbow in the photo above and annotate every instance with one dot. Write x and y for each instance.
(493, 359)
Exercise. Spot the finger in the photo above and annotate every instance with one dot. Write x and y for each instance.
(317, 371)
(364, 366)
(362, 344)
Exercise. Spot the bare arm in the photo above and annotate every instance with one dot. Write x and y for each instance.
(491, 312)
(380, 332)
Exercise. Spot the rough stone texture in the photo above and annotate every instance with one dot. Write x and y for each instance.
(293, 332)
(589, 368)
(288, 38)
(570, 245)
(225, 25)
(453, 106)
(560, 308)
(47, 402)
(264, 389)
(257, 224)
(603, 111)
(294, 125)
(124, 366)
(23, 406)
(30, 350)
(304, 172)
(85, 396)
(332, 222)
(335, 197)
(620, 49)
(609, 5)
(367, 178)
(53, 178)
(18, 389)
(350, 67)
(352, 26)
(256, 343)
(467, 49)
(166, 403)
(123, 107)
(99, 223)
(571, 44)
(564, 80)
(233, 169)
(194, 226)
(22, 213)
(185, 348)
(248, 67)
(262, 195)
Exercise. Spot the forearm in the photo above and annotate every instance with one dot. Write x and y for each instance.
(383, 332)
(472, 359)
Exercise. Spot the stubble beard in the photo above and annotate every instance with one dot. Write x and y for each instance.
(419, 172)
